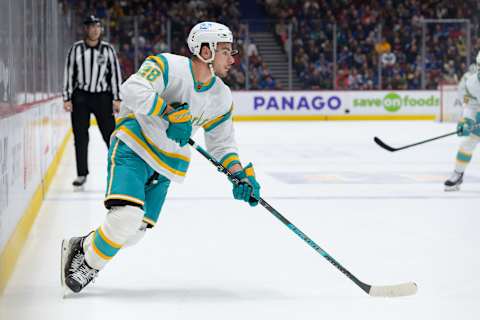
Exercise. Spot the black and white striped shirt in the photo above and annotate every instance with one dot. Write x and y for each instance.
(92, 69)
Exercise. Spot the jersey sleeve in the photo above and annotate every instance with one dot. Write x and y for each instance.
(68, 75)
(142, 91)
(220, 139)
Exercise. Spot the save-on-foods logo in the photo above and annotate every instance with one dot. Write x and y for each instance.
(393, 101)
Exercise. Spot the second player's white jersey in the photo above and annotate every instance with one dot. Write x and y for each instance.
(472, 69)
(168, 78)
(471, 96)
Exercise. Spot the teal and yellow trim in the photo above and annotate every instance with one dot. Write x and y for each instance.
(212, 124)
(201, 86)
(149, 221)
(161, 152)
(103, 246)
(120, 121)
(158, 106)
(358, 117)
(162, 63)
(14, 246)
(463, 156)
(174, 163)
(125, 197)
(229, 160)
(112, 168)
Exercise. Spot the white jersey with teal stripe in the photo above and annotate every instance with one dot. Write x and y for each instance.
(168, 78)
(471, 96)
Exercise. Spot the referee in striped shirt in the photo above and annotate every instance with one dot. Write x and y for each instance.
(91, 85)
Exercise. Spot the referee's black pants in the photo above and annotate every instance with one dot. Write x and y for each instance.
(84, 103)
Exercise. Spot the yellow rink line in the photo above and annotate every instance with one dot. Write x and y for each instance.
(346, 117)
(11, 252)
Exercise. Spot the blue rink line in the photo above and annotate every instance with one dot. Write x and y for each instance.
(375, 178)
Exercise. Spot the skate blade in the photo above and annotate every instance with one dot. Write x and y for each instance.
(78, 188)
(63, 260)
(452, 189)
(63, 253)
(66, 292)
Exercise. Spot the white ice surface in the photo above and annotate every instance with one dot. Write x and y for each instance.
(383, 215)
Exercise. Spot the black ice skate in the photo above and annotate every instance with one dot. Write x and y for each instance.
(72, 257)
(79, 183)
(453, 183)
(81, 277)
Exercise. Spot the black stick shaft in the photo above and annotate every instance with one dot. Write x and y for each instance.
(365, 287)
(432, 139)
(391, 149)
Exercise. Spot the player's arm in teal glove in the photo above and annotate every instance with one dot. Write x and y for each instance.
(248, 189)
(465, 127)
(179, 123)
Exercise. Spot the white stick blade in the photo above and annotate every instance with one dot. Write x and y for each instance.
(399, 290)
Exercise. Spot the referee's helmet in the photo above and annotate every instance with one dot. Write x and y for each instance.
(91, 20)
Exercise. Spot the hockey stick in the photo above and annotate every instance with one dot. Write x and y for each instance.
(399, 290)
(391, 149)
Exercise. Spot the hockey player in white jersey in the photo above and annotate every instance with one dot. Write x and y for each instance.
(164, 103)
(469, 93)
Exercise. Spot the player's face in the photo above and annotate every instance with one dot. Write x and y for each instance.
(94, 31)
(223, 59)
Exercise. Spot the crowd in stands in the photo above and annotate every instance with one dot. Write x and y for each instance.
(152, 25)
(378, 42)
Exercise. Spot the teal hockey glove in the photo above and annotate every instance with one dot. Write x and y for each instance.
(465, 127)
(179, 124)
(248, 189)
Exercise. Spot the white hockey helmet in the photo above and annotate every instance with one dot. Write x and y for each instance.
(209, 33)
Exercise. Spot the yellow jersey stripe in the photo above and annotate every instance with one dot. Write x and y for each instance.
(169, 154)
(221, 118)
(158, 106)
(150, 152)
(212, 122)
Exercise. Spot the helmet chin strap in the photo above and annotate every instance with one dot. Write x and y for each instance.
(210, 66)
(209, 62)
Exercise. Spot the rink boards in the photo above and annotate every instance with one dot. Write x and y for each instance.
(30, 145)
